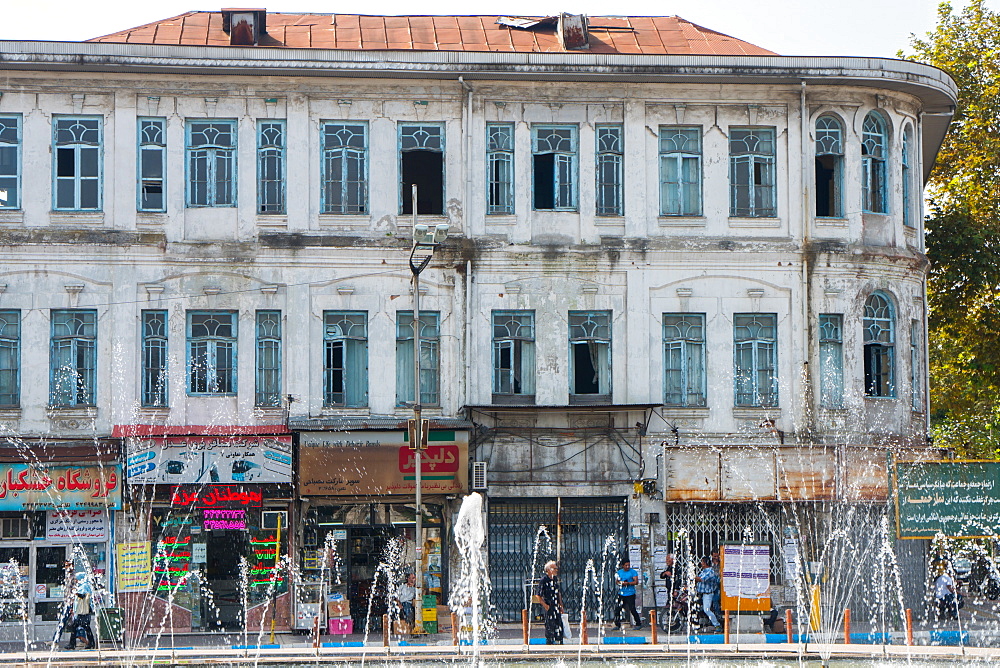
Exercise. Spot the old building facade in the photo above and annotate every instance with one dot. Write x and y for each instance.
(681, 296)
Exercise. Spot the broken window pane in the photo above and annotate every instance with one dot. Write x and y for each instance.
(590, 359)
(421, 149)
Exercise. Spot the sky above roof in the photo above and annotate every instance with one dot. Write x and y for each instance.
(788, 27)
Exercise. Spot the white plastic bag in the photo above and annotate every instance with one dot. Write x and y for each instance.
(567, 629)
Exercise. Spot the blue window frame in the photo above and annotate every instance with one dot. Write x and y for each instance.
(152, 164)
(271, 167)
(610, 169)
(831, 360)
(514, 353)
(154, 359)
(829, 167)
(211, 163)
(874, 144)
(751, 173)
(684, 359)
(345, 167)
(909, 219)
(421, 163)
(590, 354)
(755, 363)
(10, 358)
(879, 335)
(77, 163)
(430, 344)
(73, 358)
(211, 343)
(10, 162)
(554, 165)
(680, 171)
(345, 359)
(499, 169)
(268, 359)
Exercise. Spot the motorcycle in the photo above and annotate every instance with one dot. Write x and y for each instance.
(680, 613)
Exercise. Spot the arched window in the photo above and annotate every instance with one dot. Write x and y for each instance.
(829, 163)
(874, 142)
(909, 216)
(879, 340)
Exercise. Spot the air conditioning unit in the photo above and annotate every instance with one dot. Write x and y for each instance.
(269, 519)
(479, 476)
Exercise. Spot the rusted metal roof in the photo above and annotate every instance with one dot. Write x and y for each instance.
(642, 35)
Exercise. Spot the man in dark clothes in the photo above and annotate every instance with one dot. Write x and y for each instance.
(548, 590)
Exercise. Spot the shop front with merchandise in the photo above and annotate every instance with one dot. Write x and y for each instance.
(214, 513)
(358, 509)
(55, 521)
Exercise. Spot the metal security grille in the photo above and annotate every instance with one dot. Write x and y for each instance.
(583, 526)
(708, 526)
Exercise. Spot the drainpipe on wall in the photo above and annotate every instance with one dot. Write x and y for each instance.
(809, 408)
(467, 228)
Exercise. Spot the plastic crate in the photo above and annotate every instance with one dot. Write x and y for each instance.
(341, 626)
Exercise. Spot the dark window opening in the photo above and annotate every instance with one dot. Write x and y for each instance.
(65, 162)
(426, 170)
(826, 186)
(545, 181)
(585, 375)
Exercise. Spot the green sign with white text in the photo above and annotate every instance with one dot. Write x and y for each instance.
(952, 498)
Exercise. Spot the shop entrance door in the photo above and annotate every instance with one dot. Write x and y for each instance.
(222, 570)
(365, 551)
(50, 582)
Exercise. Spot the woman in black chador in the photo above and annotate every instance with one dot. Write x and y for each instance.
(548, 591)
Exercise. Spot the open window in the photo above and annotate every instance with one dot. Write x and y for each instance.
(421, 163)
(829, 165)
(554, 150)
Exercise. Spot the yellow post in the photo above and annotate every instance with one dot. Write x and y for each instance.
(815, 617)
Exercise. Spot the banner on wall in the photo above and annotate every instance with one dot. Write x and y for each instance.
(24, 487)
(133, 566)
(209, 459)
(381, 462)
(77, 526)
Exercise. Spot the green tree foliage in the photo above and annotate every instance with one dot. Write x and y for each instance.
(963, 235)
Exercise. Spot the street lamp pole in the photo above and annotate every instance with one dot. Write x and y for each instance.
(424, 243)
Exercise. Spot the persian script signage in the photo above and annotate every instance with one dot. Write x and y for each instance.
(209, 459)
(216, 496)
(133, 562)
(76, 526)
(380, 462)
(74, 487)
(953, 498)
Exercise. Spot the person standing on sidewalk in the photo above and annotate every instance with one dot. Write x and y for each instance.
(82, 608)
(628, 578)
(707, 584)
(548, 591)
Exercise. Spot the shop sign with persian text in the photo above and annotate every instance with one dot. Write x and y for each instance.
(77, 526)
(215, 496)
(381, 462)
(24, 487)
(952, 498)
(209, 459)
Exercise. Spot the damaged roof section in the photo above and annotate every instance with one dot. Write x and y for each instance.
(640, 35)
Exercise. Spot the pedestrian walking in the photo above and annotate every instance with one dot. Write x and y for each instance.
(82, 610)
(628, 578)
(671, 576)
(946, 593)
(551, 600)
(707, 584)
